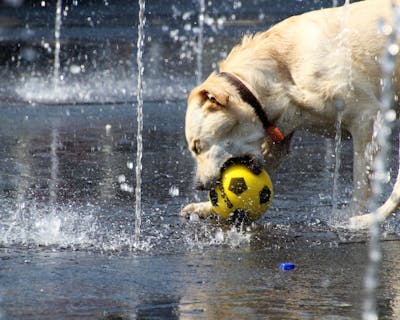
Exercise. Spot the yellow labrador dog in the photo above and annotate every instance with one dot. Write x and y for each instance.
(295, 76)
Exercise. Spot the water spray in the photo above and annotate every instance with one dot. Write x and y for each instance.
(200, 41)
(57, 43)
(343, 52)
(382, 129)
(139, 137)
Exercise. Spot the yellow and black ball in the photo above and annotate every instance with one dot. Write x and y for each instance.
(242, 193)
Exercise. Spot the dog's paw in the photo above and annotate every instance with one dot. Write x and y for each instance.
(202, 209)
(361, 222)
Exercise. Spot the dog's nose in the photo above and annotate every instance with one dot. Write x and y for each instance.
(200, 186)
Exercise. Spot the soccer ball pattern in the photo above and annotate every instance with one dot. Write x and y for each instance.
(242, 193)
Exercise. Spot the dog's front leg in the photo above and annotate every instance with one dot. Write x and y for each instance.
(364, 150)
(363, 153)
(202, 209)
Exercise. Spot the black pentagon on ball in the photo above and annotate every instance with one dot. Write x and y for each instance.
(265, 195)
(237, 186)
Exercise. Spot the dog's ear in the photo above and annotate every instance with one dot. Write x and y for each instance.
(214, 99)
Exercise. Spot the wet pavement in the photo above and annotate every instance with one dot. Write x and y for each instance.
(67, 227)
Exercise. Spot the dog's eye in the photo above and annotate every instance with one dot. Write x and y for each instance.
(196, 147)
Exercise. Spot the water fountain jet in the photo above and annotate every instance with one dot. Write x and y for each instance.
(200, 41)
(343, 53)
(139, 137)
(382, 129)
(57, 43)
(339, 106)
(54, 168)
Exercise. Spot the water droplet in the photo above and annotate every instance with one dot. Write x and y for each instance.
(237, 5)
(127, 188)
(393, 49)
(173, 191)
(194, 217)
(108, 129)
(386, 29)
(219, 236)
(390, 116)
(187, 15)
(75, 69)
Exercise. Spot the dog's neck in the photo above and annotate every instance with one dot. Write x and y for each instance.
(260, 62)
(247, 96)
(275, 113)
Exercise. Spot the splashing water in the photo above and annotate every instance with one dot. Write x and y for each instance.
(139, 150)
(202, 236)
(54, 168)
(57, 44)
(382, 130)
(22, 186)
(200, 41)
(343, 53)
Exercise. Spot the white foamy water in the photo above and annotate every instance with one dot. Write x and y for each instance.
(35, 224)
(100, 87)
(89, 227)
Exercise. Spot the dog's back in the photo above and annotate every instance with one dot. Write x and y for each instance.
(328, 51)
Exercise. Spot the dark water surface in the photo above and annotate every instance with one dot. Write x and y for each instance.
(66, 228)
(216, 283)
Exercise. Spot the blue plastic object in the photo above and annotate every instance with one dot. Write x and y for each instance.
(287, 266)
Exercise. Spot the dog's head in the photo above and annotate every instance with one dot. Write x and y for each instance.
(220, 126)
